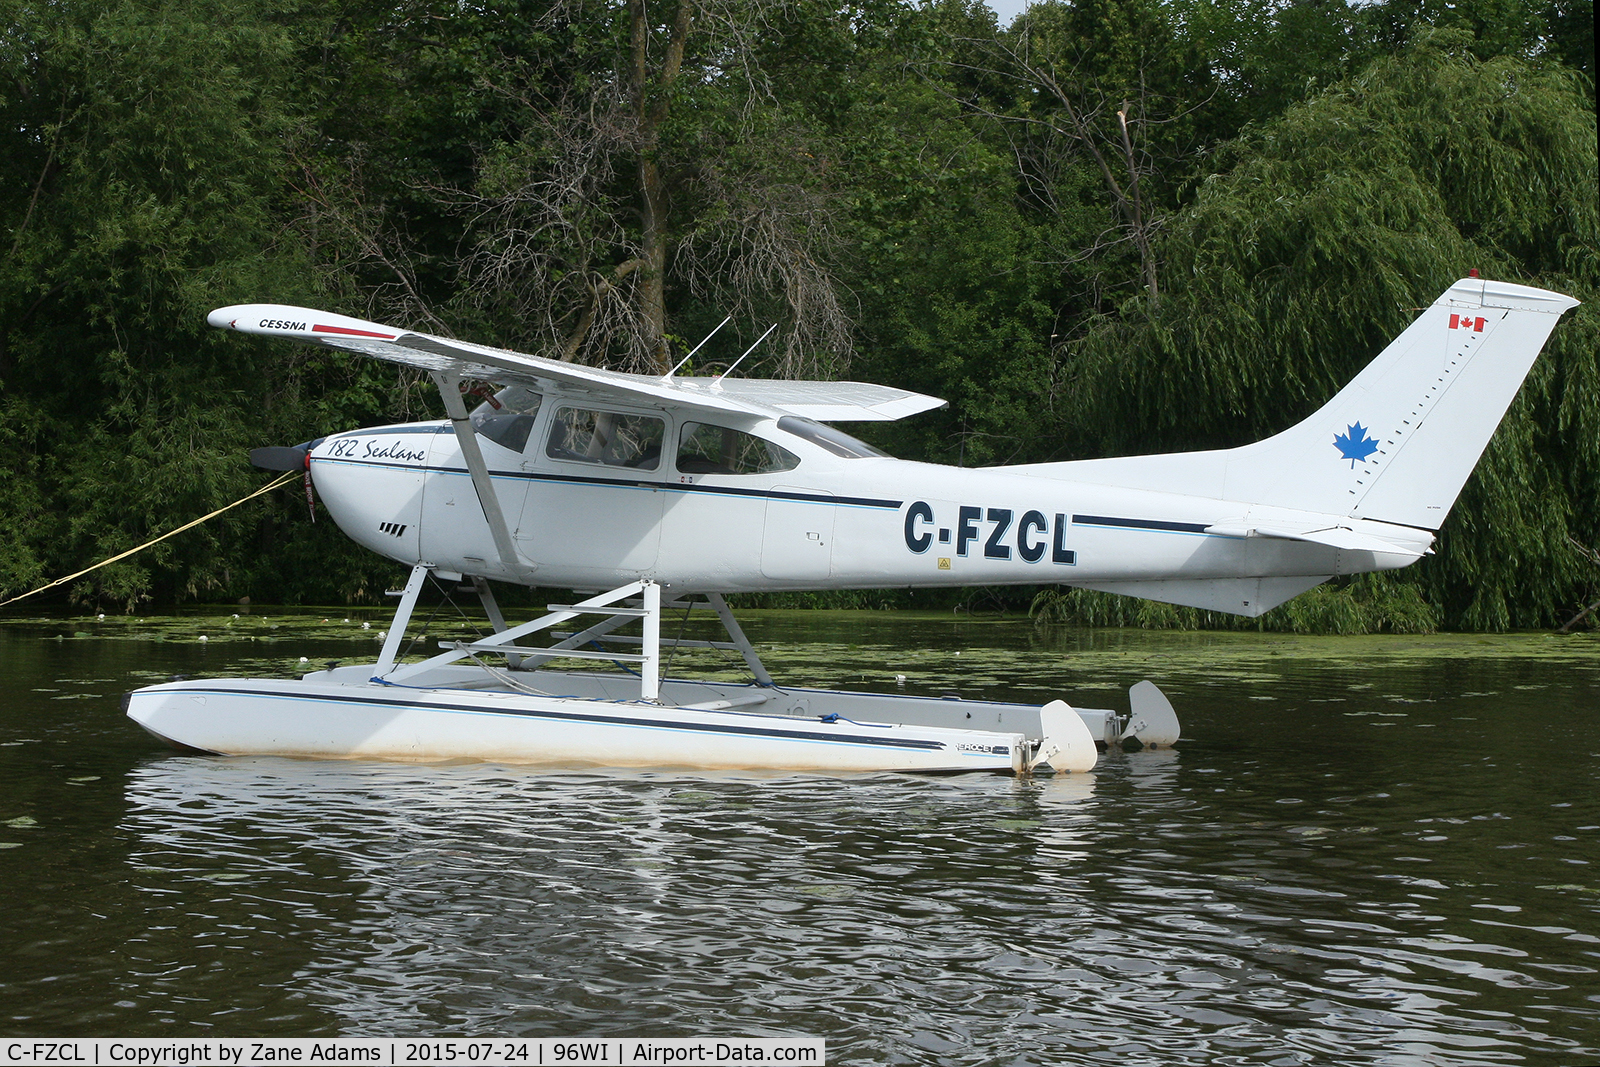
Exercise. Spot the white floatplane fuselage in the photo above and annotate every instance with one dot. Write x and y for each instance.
(629, 487)
(900, 524)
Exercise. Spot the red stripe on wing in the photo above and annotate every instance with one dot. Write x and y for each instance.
(347, 332)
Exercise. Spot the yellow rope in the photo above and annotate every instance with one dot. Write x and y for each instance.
(287, 476)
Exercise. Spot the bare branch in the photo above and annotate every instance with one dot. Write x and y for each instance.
(584, 262)
(370, 236)
(1076, 117)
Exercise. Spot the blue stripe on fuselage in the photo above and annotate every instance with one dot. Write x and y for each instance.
(1152, 525)
(618, 483)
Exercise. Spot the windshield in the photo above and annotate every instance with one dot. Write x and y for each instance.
(507, 417)
(836, 441)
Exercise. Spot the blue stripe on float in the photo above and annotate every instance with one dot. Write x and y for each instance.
(606, 720)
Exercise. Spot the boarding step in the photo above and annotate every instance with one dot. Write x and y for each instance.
(666, 642)
(605, 609)
(505, 648)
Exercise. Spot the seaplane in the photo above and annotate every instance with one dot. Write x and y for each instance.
(647, 495)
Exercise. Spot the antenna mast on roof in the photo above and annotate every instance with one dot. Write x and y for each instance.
(668, 376)
(718, 379)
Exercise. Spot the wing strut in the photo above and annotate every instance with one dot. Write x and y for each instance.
(450, 389)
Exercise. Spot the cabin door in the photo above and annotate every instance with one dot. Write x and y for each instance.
(797, 542)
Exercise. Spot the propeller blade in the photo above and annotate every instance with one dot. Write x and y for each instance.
(279, 458)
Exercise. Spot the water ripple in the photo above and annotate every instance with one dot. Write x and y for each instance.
(1380, 864)
(966, 920)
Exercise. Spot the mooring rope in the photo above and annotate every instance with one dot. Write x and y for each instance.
(281, 480)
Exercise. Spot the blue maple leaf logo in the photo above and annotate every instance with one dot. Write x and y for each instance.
(1354, 444)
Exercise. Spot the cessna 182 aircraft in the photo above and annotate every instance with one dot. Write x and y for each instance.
(626, 486)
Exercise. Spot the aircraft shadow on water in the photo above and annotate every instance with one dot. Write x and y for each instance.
(650, 494)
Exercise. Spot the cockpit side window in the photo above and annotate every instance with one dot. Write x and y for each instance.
(707, 449)
(609, 438)
(506, 418)
(836, 441)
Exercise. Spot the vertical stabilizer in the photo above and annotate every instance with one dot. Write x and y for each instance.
(1399, 441)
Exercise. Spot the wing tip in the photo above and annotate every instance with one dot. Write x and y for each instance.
(296, 323)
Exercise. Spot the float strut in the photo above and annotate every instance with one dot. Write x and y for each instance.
(402, 618)
(491, 608)
(746, 649)
(650, 669)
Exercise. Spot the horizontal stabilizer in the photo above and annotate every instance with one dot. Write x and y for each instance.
(830, 401)
(1415, 546)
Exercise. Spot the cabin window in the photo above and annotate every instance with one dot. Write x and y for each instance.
(836, 441)
(506, 418)
(606, 437)
(707, 449)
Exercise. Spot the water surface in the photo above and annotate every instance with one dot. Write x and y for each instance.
(1368, 851)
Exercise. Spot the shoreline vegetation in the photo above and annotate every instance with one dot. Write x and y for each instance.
(876, 650)
(980, 656)
(1354, 609)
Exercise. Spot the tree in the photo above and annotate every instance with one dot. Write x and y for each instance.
(1113, 80)
(140, 182)
(671, 174)
(1311, 247)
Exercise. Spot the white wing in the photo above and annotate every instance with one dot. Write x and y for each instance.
(824, 401)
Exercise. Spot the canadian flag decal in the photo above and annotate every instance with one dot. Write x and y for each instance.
(1467, 322)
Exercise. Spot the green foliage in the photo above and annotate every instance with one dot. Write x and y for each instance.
(950, 303)
(1274, 54)
(141, 184)
(1109, 55)
(1310, 249)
